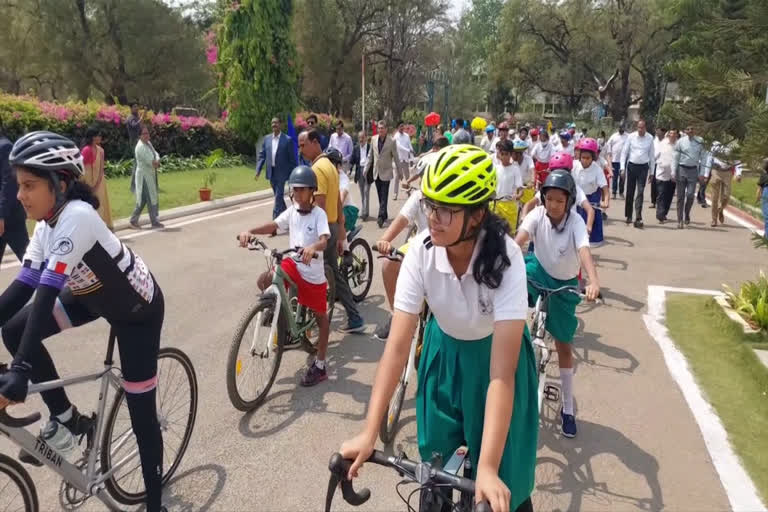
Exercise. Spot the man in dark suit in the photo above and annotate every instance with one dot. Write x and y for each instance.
(278, 153)
(13, 228)
(360, 154)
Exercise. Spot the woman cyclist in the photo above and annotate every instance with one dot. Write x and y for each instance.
(79, 271)
(477, 381)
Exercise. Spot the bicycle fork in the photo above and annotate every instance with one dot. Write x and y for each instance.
(268, 342)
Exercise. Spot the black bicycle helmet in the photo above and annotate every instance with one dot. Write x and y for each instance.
(48, 151)
(302, 176)
(564, 181)
(334, 155)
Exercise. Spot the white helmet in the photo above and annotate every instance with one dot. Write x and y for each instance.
(48, 151)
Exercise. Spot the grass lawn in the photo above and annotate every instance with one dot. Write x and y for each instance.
(180, 188)
(745, 191)
(729, 373)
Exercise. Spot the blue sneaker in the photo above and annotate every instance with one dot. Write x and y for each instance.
(568, 426)
(354, 325)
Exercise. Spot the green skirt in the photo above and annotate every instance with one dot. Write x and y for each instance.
(350, 217)
(453, 382)
(561, 315)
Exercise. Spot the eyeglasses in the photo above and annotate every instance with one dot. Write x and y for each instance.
(443, 214)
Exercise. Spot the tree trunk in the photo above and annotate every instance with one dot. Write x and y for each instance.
(653, 93)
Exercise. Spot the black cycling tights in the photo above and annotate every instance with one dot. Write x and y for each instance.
(138, 342)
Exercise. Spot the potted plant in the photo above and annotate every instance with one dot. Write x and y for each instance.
(208, 180)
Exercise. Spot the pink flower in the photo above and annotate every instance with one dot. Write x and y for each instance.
(224, 115)
(212, 53)
(17, 115)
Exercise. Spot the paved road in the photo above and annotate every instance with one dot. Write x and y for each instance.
(638, 446)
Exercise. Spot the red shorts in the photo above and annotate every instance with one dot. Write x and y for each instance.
(313, 296)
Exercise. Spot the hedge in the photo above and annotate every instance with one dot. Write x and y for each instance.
(178, 135)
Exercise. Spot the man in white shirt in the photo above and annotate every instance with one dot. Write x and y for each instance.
(405, 152)
(636, 158)
(613, 148)
(665, 175)
(660, 137)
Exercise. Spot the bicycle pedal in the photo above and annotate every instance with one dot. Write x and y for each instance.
(551, 392)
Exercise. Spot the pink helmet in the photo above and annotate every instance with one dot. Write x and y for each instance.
(561, 160)
(589, 144)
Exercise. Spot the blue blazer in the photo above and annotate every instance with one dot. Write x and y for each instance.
(10, 207)
(285, 158)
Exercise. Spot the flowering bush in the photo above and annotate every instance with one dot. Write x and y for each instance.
(170, 134)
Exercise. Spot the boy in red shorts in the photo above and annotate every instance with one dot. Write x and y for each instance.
(307, 226)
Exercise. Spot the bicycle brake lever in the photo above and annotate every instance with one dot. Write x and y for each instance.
(340, 468)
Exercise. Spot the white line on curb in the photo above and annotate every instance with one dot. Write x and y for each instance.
(739, 487)
(743, 223)
(145, 232)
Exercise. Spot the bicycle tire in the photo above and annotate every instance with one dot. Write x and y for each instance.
(265, 304)
(392, 416)
(20, 479)
(330, 276)
(113, 485)
(365, 272)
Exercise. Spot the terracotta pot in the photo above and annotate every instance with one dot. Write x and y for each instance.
(205, 194)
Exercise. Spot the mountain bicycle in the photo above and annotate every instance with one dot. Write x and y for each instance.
(109, 468)
(279, 323)
(389, 421)
(436, 482)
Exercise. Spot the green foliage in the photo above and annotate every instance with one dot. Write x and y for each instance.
(257, 64)
(209, 179)
(752, 301)
(759, 241)
(170, 163)
(413, 116)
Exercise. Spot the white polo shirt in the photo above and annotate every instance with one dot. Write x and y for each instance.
(508, 179)
(303, 230)
(412, 211)
(463, 308)
(557, 251)
(590, 179)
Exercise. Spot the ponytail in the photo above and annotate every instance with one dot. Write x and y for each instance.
(492, 259)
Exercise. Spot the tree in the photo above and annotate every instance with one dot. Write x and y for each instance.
(257, 65)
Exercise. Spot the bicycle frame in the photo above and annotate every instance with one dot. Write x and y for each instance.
(539, 340)
(90, 483)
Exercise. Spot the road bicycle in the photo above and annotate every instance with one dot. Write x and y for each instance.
(274, 323)
(109, 468)
(541, 339)
(389, 421)
(436, 483)
(358, 265)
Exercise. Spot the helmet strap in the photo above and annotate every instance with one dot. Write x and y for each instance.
(464, 235)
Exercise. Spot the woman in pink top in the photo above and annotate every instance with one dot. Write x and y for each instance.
(93, 161)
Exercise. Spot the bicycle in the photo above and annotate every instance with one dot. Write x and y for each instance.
(413, 229)
(358, 267)
(433, 478)
(542, 340)
(292, 327)
(100, 468)
(389, 421)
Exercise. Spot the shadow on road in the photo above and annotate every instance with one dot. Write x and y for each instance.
(613, 299)
(207, 476)
(615, 240)
(566, 481)
(589, 343)
(609, 263)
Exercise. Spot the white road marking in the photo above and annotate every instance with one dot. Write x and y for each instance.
(738, 486)
(144, 232)
(743, 223)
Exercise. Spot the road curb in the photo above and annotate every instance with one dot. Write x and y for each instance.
(194, 209)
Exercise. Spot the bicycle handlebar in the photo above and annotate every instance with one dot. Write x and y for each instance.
(420, 472)
(255, 244)
(394, 254)
(567, 288)
(9, 421)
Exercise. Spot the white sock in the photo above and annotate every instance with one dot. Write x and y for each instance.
(566, 386)
(66, 415)
(320, 363)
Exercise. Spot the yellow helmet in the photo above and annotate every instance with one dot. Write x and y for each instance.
(460, 174)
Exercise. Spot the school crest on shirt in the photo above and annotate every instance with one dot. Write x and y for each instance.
(485, 300)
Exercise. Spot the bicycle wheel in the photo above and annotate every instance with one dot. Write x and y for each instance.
(331, 278)
(251, 369)
(176, 412)
(360, 276)
(17, 491)
(389, 421)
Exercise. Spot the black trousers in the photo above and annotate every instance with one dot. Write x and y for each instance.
(382, 189)
(666, 191)
(637, 175)
(15, 236)
(654, 188)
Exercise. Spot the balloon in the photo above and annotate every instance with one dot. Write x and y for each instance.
(432, 119)
(479, 124)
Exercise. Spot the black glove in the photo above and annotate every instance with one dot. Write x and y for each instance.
(15, 382)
